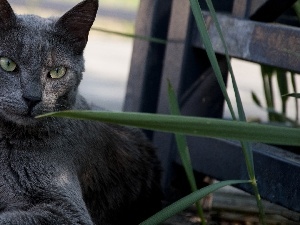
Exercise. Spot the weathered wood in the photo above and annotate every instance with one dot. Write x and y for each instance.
(174, 61)
(147, 58)
(184, 63)
(275, 45)
(224, 160)
(240, 8)
(186, 70)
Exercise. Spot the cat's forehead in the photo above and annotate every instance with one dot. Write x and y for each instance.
(32, 37)
(29, 30)
(35, 23)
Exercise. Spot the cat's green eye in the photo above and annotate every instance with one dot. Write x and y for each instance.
(58, 72)
(7, 64)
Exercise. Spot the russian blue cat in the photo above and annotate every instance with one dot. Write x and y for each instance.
(61, 171)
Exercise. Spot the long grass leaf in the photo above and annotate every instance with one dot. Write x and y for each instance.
(184, 151)
(296, 8)
(210, 52)
(294, 85)
(295, 95)
(187, 201)
(246, 148)
(181, 141)
(283, 88)
(267, 73)
(196, 126)
(240, 107)
(145, 38)
(256, 99)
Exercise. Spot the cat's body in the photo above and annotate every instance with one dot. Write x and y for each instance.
(61, 171)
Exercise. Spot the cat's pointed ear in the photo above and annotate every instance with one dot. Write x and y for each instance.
(77, 22)
(7, 15)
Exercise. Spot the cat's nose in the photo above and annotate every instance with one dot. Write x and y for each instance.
(31, 101)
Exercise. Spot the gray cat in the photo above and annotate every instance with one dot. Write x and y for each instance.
(60, 171)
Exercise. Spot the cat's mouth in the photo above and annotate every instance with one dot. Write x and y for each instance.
(29, 113)
(25, 118)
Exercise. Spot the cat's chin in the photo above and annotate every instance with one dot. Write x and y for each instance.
(22, 120)
(28, 121)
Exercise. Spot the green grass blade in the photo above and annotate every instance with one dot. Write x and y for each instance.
(267, 73)
(295, 95)
(296, 8)
(294, 85)
(247, 151)
(187, 201)
(245, 146)
(283, 88)
(184, 151)
(240, 107)
(282, 117)
(195, 126)
(210, 52)
(181, 141)
(145, 38)
(256, 99)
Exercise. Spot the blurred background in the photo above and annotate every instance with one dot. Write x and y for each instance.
(108, 57)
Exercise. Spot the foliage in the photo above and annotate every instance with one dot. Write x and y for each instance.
(183, 150)
(194, 126)
(268, 74)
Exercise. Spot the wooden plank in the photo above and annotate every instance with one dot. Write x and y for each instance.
(147, 58)
(240, 8)
(275, 45)
(184, 68)
(173, 66)
(224, 160)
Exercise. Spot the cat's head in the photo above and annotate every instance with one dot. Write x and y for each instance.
(41, 61)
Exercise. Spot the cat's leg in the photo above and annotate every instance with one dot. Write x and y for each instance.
(51, 206)
(62, 213)
(45, 215)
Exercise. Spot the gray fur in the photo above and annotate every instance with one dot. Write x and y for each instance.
(60, 171)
